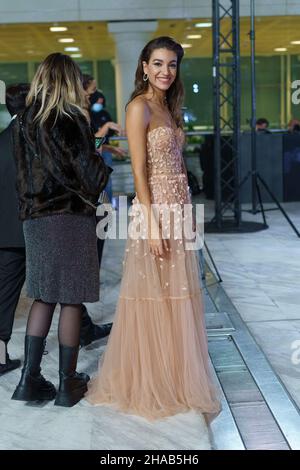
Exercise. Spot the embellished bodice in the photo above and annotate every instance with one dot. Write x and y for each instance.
(165, 168)
(164, 151)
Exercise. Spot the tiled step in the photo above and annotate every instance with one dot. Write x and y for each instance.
(239, 364)
(258, 427)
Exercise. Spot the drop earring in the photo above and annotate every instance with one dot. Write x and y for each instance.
(145, 77)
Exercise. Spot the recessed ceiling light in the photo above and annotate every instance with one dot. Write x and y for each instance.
(58, 29)
(194, 36)
(72, 49)
(295, 42)
(76, 56)
(186, 46)
(280, 49)
(203, 25)
(66, 40)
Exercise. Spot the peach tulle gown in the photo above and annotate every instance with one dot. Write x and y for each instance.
(156, 361)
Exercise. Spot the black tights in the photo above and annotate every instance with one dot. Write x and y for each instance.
(40, 318)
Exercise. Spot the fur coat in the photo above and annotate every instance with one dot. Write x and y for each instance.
(54, 156)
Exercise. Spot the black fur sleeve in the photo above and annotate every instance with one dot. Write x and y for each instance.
(87, 164)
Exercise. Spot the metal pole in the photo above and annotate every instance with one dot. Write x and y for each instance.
(236, 109)
(217, 130)
(253, 108)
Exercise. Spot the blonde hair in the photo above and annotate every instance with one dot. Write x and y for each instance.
(57, 85)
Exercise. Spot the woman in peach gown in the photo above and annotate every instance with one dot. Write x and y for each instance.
(156, 363)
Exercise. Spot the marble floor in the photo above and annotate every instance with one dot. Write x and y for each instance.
(44, 426)
(261, 275)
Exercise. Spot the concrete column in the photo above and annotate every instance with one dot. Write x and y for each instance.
(130, 38)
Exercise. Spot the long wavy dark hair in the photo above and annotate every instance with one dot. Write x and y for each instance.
(175, 93)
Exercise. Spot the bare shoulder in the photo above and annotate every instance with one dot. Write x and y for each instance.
(139, 108)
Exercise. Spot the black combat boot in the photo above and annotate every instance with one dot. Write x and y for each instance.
(72, 386)
(90, 332)
(7, 364)
(33, 386)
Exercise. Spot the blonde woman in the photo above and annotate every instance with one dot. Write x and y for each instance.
(59, 177)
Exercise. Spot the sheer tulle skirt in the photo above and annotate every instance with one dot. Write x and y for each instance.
(156, 363)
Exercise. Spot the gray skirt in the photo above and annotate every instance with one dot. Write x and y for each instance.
(61, 259)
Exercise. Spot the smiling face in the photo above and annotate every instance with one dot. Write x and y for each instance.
(161, 69)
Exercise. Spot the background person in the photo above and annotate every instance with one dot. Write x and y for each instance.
(294, 126)
(262, 126)
(102, 126)
(12, 245)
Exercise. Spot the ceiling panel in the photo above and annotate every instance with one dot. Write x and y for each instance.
(32, 42)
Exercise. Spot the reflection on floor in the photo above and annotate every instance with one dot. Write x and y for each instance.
(260, 273)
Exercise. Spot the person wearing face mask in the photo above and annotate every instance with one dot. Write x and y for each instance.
(99, 115)
(101, 121)
(102, 124)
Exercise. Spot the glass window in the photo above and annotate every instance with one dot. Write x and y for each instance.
(267, 90)
(196, 75)
(106, 82)
(295, 75)
(86, 66)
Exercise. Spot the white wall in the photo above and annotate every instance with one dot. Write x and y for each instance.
(30, 11)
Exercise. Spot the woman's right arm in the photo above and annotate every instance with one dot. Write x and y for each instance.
(137, 121)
